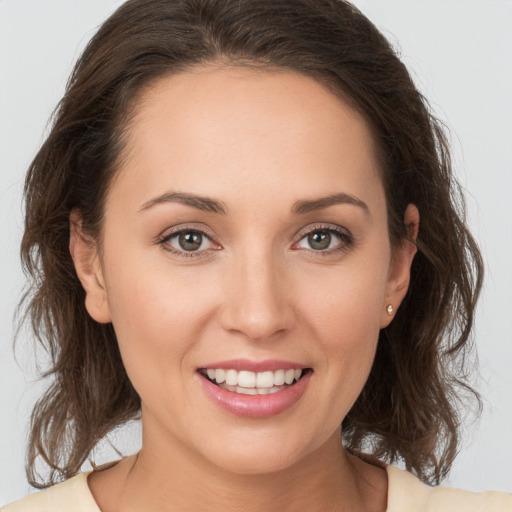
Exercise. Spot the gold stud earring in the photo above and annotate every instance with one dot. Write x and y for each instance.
(389, 309)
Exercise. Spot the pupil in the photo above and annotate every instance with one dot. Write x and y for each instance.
(190, 241)
(319, 240)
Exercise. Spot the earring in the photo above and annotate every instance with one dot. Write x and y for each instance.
(389, 309)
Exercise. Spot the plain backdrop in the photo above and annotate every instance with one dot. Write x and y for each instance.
(460, 55)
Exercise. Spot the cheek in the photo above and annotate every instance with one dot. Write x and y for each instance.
(346, 302)
(157, 315)
(347, 331)
(344, 315)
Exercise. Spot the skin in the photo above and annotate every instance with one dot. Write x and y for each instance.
(258, 142)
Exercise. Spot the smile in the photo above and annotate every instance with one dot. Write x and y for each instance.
(252, 383)
(255, 389)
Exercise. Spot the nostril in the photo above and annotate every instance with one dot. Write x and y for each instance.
(258, 309)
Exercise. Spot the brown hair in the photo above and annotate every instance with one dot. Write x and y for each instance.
(409, 408)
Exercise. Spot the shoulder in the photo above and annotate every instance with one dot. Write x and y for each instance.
(73, 494)
(407, 493)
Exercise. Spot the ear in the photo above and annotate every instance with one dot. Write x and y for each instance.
(400, 268)
(84, 253)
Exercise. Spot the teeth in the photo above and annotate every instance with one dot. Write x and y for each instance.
(252, 391)
(264, 379)
(261, 382)
(279, 378)
(289, 376)
(220, 376)
(246, 391)
(231, 377)
(247, 379)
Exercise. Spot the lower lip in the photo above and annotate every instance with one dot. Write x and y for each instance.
(256, 406)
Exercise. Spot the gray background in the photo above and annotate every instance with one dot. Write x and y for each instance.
(459, 52)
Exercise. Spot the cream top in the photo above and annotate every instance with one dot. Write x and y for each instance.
(406, 493)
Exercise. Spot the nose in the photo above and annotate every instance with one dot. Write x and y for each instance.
(257, 298)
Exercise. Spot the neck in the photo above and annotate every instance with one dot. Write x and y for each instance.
(175, 479)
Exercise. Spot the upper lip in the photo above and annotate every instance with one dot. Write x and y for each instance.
(254, 366)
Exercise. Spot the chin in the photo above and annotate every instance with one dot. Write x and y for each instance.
(254, 463)
(258, 455)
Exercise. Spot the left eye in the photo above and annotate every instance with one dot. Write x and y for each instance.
(322, 240)
(188, 241)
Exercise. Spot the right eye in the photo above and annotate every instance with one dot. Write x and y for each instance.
(187, 242)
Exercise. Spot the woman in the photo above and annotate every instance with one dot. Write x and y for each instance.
(242, 227)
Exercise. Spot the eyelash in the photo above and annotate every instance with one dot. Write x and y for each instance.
(165, 239)
(345, 238)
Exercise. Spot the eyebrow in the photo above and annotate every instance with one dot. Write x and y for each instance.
(202, 203)
(210, 205)
(310, 205)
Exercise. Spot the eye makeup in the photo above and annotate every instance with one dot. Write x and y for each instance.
(193, 242)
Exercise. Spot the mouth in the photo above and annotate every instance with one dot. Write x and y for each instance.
(255, 389)
(246, 382)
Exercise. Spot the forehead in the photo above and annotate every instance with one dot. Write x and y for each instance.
(204, 128)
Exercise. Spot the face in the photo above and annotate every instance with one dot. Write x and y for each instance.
(245, 238)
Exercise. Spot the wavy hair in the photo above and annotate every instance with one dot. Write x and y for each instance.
(410, 408)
